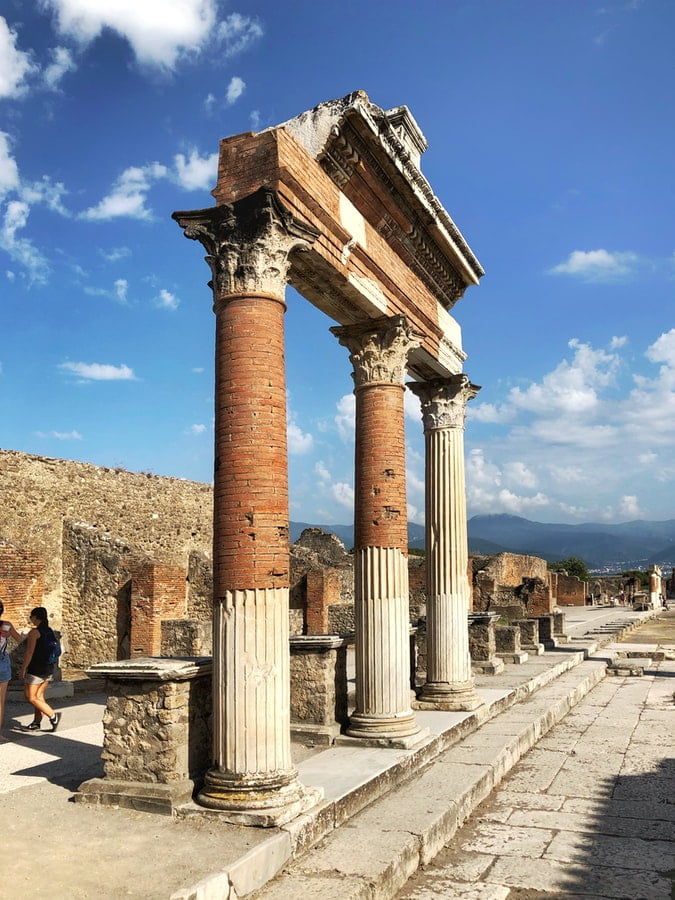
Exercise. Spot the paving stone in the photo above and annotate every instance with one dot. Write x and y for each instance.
(563, 879)
(629, 809)
(537, 771)
(526, 800)
(502, 840)
(443, 887)
(600, 824)
(607, 850)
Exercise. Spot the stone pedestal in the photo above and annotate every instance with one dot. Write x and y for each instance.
(507, 638)
(318, 687)
(483, 644)
(156, 733)
(529, 636)
(559, 632)
(547, 632)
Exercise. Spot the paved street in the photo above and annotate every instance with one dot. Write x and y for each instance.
(589, 812)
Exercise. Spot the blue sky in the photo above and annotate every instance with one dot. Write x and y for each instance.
(551, 133)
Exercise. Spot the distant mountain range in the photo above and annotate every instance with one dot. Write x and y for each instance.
(629, 545)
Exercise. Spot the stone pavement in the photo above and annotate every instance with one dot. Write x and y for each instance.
(396, 808)
(590, 811)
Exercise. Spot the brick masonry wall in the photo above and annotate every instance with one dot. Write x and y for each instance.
(167, 518)
(21, 582)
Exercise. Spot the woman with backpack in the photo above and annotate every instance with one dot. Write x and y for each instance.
(7, 630)
(38, 667)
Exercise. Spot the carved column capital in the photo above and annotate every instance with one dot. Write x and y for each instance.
(444, 400)
(248, 243)
(378, 349)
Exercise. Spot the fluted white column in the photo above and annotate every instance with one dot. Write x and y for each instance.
(382, 646)
(450, 684)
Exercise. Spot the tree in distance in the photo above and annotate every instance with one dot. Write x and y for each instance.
(573, 565)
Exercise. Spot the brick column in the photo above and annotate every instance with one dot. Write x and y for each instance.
(450, 684)
(378, 352)
(248, 244)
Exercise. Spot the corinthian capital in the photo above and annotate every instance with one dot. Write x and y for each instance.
(248, 243)
(444, 400)
(378, 349)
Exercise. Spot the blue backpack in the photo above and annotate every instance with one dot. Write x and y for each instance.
(53, 648)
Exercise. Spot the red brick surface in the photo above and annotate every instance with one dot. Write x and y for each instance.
(251, 543)
(21, 583)
(380, 492)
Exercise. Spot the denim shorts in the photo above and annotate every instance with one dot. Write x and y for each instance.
(5, 667)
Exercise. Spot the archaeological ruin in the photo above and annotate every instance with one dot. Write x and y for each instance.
(191, 595)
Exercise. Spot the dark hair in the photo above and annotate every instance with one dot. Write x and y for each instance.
(39, 612)
(2, 607)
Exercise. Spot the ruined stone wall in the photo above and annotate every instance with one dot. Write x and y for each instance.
(166, 518)
(96, 610)
(570, 590)
(509, 569)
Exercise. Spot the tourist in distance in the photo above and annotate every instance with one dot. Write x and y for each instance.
(37, 669)
(7, 630)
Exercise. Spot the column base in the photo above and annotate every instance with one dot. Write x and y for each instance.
(448, 698)
(385, 731)
(263, 807)
(392, 743)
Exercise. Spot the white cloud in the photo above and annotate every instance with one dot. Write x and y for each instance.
(254, 118)
(21, 249)
(60, 435)
(128, 195)
(322, 471)
(343, 493)
(99, 371)
(346, 417)
(167, 300)
(159, 34)
(235, 89)
(598, 265)
(121, 287)
(9, 171)
(299, 442)
(196, 429)
(238, 32)
(15, 65)
(115, 254)
(629, 507)
(196, 173)
(518, 473)
(663, 349)
(62, 64)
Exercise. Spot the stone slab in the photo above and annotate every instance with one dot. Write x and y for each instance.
(553, 877)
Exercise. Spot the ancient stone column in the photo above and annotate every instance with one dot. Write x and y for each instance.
(450, 684)
(248, 245)
(378, 351)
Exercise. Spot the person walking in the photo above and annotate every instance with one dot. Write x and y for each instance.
(7, 630)
(37, 669)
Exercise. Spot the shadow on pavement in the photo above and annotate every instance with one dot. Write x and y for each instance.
(630, 852)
